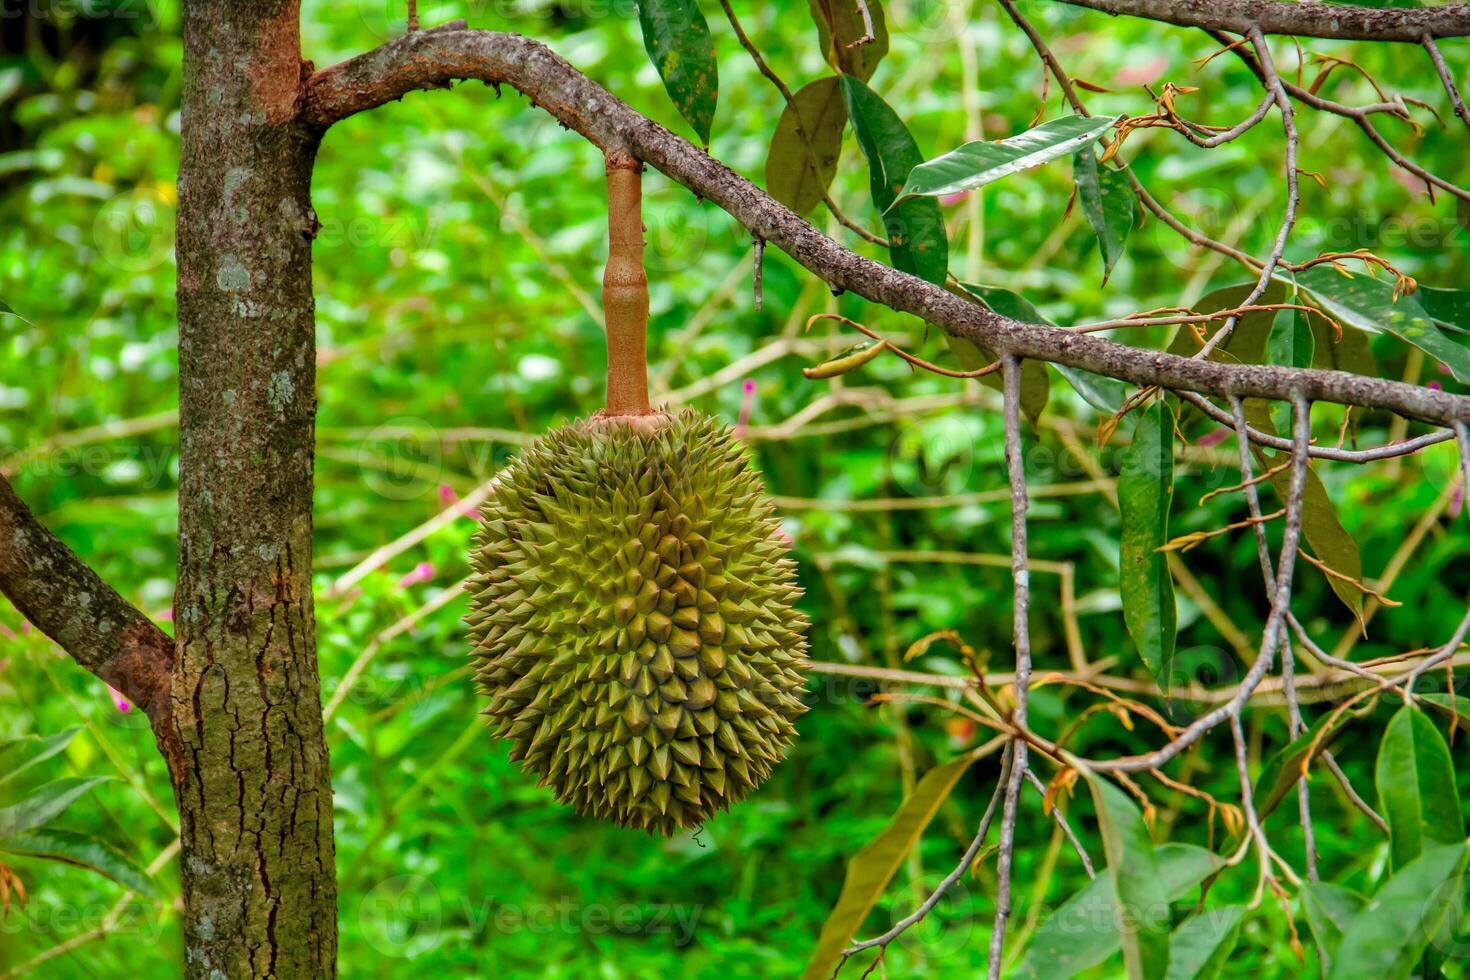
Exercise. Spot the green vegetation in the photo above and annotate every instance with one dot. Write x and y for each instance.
(457, 272)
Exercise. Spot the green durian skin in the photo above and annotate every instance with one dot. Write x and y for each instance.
(633, 620)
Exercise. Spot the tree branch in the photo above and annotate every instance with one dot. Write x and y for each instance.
(432, 59)
(69, 602)
(1332, 20)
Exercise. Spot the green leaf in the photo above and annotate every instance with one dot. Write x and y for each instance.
(981, 162)
(1451, 704)
(1084, 932)
(1290, 345)
(45, 804)
(1108, 202)
(84, 852)
(1416, 786)
(1035, 382)
(1103, 394)
(870, 870)
(848, 360)
(1247, 341)
(1449, 306)
(1328, 539)
(917, 242)
(808, 141)
(1368, 303)
(1385, 940)
(33, 751)
(1201, 946)
(841, 32)
(1329, 909)
(1282, 771)
(1141, 899)
(679, 43)
(1145, 490)
(1351, 351)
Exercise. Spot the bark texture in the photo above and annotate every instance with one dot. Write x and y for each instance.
(70, 603)
(252, 778)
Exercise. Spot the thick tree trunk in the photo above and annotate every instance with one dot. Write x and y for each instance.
(247, 752)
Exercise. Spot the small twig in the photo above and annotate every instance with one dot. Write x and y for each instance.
(960, 870)
(760, 255)
(1446, 79)
(1063, 825)
(1276, 90)
(1021, 574)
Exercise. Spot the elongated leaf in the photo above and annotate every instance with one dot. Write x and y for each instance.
(808, 141)
(1368, 304)
(1108, 203)
(1084, 931)
(84, 852)
(1416, 786)
(1448, 306)
(1290, 344)
(848, 360)
(1328, 539)
(1282, 771)
(1247, 341)
(45, 804)
(980, 162)
(1451, 704)
(18, 755)
(1329, 909)
(1145, 490)
(917, 242)
(1351, 351)
(842, 33)
(1201, 946)
(1141, 900)
(870, 869)
(1385, 940)
(1102, 393)
(678, 41)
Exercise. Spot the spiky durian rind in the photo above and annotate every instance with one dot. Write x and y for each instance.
(633, 620)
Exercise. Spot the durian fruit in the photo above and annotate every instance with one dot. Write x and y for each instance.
(633, 620)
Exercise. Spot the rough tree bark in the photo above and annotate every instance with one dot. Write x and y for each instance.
(249, 764)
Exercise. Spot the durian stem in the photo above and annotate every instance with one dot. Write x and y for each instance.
(625, 290)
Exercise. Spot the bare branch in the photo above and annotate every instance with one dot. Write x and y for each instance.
(1277, 92)
(1021, 574)
(431, 59)
(70, 603)
(1327, 20)
(949, 880)
(1446, 79)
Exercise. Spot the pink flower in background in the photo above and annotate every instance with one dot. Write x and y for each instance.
(1443, 368)
(1145, 74)
(1457, 500)
(167, 615)
(120, 702)
(1213, 438)
(949, 200)
(422, 572)
(747, 402)
(1435, 386)
(448, 498)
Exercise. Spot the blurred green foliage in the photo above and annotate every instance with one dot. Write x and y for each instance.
(457, 271)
